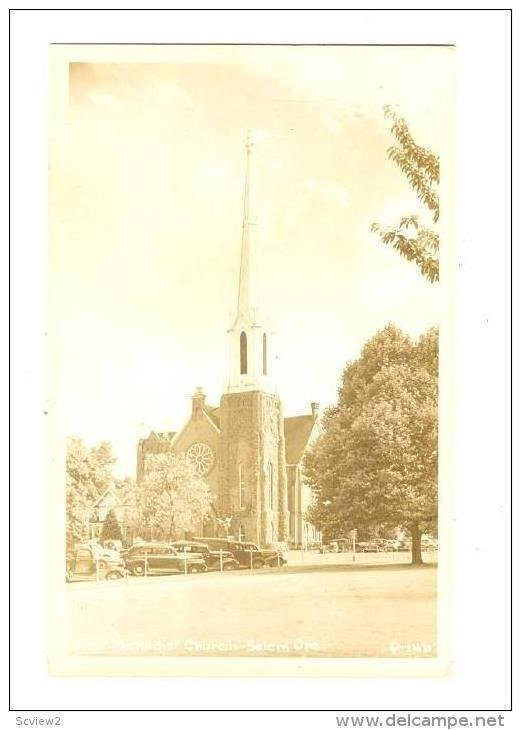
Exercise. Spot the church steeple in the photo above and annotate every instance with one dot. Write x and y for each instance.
(247, 302)
(249, 339)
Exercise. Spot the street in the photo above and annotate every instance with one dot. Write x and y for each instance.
(327, 606)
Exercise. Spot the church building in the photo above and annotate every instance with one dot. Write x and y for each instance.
(249, 454)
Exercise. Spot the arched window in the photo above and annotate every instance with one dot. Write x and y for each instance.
(264, 354)
(244, 353)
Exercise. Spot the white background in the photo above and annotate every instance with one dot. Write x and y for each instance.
(479, 679)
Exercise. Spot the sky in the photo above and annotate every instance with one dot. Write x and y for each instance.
(146, 192)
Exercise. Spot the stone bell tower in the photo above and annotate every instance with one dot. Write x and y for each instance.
(253, 485)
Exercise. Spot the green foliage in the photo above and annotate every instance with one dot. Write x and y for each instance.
(420, 166)
(124, 485)
(171, 497)
(412, 240)
(88, 475)
(375, 465)
(111, 529)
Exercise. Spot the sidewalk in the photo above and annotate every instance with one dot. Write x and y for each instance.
(313, 557)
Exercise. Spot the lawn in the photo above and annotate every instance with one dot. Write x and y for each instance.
(322, 611)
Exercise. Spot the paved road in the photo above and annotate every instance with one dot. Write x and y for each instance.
(331, 609)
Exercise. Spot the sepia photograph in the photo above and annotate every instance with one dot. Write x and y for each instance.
(250, 358)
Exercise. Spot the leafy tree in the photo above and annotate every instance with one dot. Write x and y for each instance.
(224, 523)
(375, 464)
(413, 240)
(88, 475)
(171, 497)
(111, 529)
(125, 486)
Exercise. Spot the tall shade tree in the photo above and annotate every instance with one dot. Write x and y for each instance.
(410, 238)
(88, 474)
(171, 498)
(375, 463)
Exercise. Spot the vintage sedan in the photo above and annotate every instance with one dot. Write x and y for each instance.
(367, 547)
(213, 558)
(156, 558)
(251, 555)
(88, 563)
(248, 554)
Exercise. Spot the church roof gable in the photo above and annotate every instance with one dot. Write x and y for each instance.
(213, 414)
(210, 416)
(104, 498)
(158, 438)
(167, 435)
(297, 434)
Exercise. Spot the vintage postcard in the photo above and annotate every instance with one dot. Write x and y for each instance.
(250, 349)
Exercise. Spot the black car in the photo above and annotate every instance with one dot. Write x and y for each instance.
(251, 555)
(248, 554)
(160, 559)
(213, 558)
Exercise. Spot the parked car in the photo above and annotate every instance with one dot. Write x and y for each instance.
(340, 545)
(212, 558)
(85, 563)
(116, 545)
(157, 558)
(384, 544)
(250, 555)
(394, 544)
(367, 547)
(103, 554)
(247, 554)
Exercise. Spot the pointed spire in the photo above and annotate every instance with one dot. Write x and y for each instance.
(249, 335)
(247, 299)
